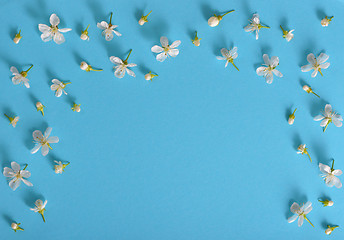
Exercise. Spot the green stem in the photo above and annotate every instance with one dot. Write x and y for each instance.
(261, 26)
(128, 55)
(196, 36)
(316, 94)
(25, 166)
(148, 13)
(87, 27)
(96, 70)
(332, 165)
(320, 72)
(235, 66)
(308, 221)
(227, 13)
(110, 18)
(282, 29)
(309, 157)
(294, 111)
(326, 125)
(43, 217)
(29, 69)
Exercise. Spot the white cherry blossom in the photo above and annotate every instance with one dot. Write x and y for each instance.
(122, 66)
(316, 64)
(269, 69)
(43, 141)
(52, 31)
(108, 29)
(17, 176)
(166, 50)
(329, 116)
(300, 212)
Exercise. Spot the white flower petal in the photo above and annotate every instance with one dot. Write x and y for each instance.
(324, 122)
(319, 118)
(130, 72)
(293, 218)
(322, 58)
(311, 59)
(269, 77)
(173, 52)
(27, 182)
(117, 33)
(266, 59)
(175, 44)
(306, 68)
(47, 36)
(116, 60)
(25, 173)
(15, 166)
(14, 183)
(161, 57)
(314, 73)
(277, 73)
(14, 70)
(274, 61)
(307, 207)
(131, 65)
(59, 38)
(336, 122)
(164, 41)
(324, 168)
(47, 132)
(58, 92)
(64, 30)
(157, 49)
(324, 65)
(261, 71)
(336, 182)
(328, 108)
(36, 148)
(120, 72)
(300, 221)
(54, 20)
(224, 52)
(294, 207)
(337, 172)
(43, 28)
(45, 150)
(8, 172)
(53, 140)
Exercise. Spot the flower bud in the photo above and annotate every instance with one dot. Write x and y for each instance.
(14, 226)
(330, 229)
(197, 42)
(39, 105)
(17, 37)
(330, 203)
(58, 169)
(325, 22)
(307, 88)
(148, 76)
(213, 21)
(84, 66)
(76, 107)
(84, 37)
(142, 21)
(291, 119)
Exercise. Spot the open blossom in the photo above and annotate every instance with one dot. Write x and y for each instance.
(17, 176)
(20, 78)
(108, 29)
(215, 20)
(16, 227)
(53, 32)
(58, 87)
(330, 175)
(303, 150)
(326, 203)
(122, 66)
(269, 69)
(288, 35)
(300, 212)
(144, 19)
(326, 21)
(84, 34)
(166, 49)
(43, 141)
(316, 64)
(229, 56)
(59, 167)
(40, 207)
(329, 116)
(255, 25)
(13, 120)
(196, 41)
(17, 37)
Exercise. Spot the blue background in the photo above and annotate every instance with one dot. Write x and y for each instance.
(201, 152)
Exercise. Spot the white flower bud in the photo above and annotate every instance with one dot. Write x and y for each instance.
(142, 21)
(14, 226)
(83, 66)
(197, 42)
(148, 76)
(325, 22)
(77, 108)
(307, 88)
(328, 231)
(16, 40)
(39, 105)
(58, 169)
(330, 203)
(291, 120)
(84, 37)
(213, 21)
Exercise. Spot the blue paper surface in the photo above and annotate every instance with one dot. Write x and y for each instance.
(200, 152)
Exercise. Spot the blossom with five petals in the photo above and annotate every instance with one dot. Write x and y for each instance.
(329, 116)
(229, 56)
(166, 49)
(17, 176)
(108, 29)
(43, 141)
(122, 66)
(58, 87)
(53, 32)
(316, 64)
(20, 78)
(269, 69)
(300, 212)
(255, 25)
(330, 175)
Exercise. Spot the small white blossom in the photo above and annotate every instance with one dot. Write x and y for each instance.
(15, 227)
(59, 167)
(166, 49)
(40, 107)
(84, 34)
(316, 64)
(270, 68)
(150, 76)
(17, 37)
(43, 141)
(303, 150)
(53, 32)
(330, 175)
(255, 25)
(58, 87)
(288, 35)
(300, 212)
(122, 66)
(215, 20)
(108, 29)
(229, 56)
(329, 116)
(20, 78)
(196, 41)
(13, 120)
(144, 19)
(17, 176)
(76, 107)
(40, 207)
